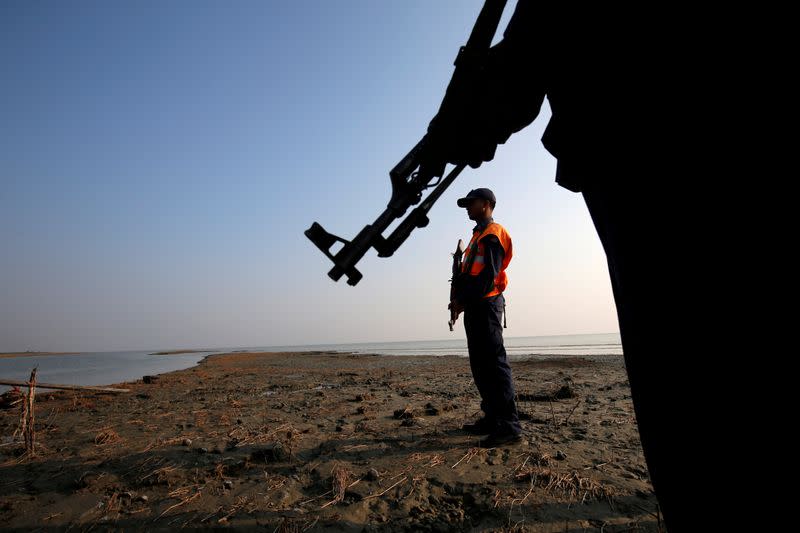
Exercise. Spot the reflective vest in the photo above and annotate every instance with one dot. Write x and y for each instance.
(473, 261)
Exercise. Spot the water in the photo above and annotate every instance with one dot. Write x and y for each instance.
(516, 347)
(101, 368)
(94, 368)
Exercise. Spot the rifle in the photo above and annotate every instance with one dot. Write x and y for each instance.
(457, 256)
(414, 173)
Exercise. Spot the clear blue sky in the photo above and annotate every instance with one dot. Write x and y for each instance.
(161, 160)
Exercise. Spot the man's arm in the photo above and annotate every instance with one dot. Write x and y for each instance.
(505, 96)
(472, 288)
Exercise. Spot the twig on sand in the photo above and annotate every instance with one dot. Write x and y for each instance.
(312, 524)
(182, 502)
(159, 471)
(315, 498)
(520, 501)
(182, 490)
(405, 471)
(352, 447)
(211, 515)
(472, 452)
(387, 490)
(240, 503)
(414, 481)
(436, 460)
(564, 423)
(597, 466)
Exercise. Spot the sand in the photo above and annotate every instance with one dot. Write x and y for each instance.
(319, 441)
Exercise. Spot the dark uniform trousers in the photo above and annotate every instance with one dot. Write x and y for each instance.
(487, 358)
(664, 336)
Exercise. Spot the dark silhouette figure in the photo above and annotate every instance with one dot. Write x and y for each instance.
(611, 86)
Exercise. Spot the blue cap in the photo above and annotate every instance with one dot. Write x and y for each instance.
(481, 194)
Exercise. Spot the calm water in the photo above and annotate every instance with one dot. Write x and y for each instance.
(604, 343)
(95, 368)
(99, 368)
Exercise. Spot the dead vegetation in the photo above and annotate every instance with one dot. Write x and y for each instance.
(11, 397)
(340, 481)
(26, 423)
(571, 485)
(107, 436)
(404, 413)
(562, 393)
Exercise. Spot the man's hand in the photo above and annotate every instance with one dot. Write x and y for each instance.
(499, 99)
(455, 308)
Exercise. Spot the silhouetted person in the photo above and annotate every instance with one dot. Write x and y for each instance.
(615, 104)
(479, 294)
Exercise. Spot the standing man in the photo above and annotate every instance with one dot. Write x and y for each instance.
(479, 294)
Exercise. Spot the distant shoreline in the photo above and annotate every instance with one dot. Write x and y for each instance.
(7, 355)
(177, 352)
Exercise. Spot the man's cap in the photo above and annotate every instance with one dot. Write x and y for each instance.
(482, 194)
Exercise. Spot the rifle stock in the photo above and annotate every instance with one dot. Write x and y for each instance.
(415, 172)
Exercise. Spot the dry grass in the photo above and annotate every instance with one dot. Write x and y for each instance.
(184, 501)
(364, 397)
(11, 398)
(395, 484)
(404, 413)
(240, 503)
(243, 436)
(436, 460)
(288, 525)
(107, 436)
(471, 453)
(571, 485)
(535, 459)
(80, 403)
(274, 482)
(159, 473)
(201, 417)
(340, 479)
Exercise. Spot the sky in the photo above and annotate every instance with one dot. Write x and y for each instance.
(161, 160)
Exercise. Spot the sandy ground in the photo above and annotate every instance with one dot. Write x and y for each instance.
(318, 441)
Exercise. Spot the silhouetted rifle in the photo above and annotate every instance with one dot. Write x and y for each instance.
(420, 169)
(458, 256)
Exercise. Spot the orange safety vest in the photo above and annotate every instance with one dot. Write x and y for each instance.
(473, 261)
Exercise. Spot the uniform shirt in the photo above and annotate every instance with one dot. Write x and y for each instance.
(471, 289)
(600, 100)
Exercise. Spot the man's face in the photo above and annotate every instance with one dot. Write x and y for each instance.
(476, 210)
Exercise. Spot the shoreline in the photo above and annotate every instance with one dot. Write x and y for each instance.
(179, 352)
(10, 355)
(268, 439)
